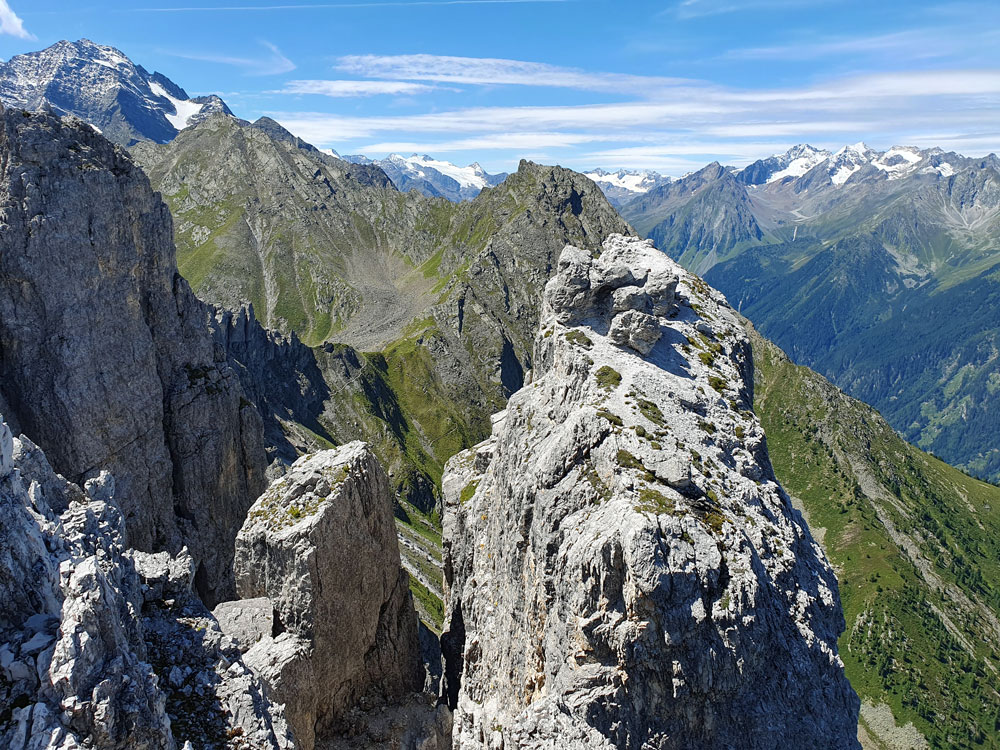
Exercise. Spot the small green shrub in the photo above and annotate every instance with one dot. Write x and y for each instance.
(651, 412)
(468, 491)
(608, 378)
(611, 417)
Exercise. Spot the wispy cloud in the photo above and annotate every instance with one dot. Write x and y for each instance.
(272, 64)
(700, 8)
(742, 124)
(500, 141)
(909, 45)
(868, 98)
(10, 24)
(344, 89)
(329, 6)
(486, 71)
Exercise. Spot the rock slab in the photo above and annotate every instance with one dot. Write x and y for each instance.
(106, 360)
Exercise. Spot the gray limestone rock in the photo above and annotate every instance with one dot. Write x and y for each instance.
(622, 568)
(106, 360)
(106, 648)
(320, 544)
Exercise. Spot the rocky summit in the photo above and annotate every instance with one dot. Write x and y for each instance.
(622, 568)
(102, 87)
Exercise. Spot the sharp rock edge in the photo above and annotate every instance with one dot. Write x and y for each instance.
(622, 569)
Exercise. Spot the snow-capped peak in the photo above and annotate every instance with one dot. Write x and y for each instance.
(103, 87)
(797, 161)
(849, 160)
(631, 180)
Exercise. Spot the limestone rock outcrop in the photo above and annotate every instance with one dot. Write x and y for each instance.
(622, 568)
(320, 544)
(106, 360)
(105, 648)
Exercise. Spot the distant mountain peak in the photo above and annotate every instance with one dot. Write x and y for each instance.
(433, 177)
(622, 185)
(100, 85)
(793, 163)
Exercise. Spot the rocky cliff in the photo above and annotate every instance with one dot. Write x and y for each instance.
(102, 647)
(106, 360)
(339, 631)
(622, 568)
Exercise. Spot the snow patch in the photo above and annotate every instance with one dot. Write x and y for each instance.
(184, 109)
(842, 175)
(898, 161)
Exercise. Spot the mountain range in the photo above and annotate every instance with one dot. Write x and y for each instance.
(622, 185)
(878, 269)
(433, 177)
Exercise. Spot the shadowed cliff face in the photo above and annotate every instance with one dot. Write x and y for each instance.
(105, 356)
(622, 569)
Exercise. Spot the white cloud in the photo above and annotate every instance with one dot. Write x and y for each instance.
(682, 125)
(342, 89)
(487, 71)
(273, 64)
(499, 141)
(10, 24)
(878, 99)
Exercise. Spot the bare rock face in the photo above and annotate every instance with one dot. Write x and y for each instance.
(105, 356)
(320, 544)
(105, 648)
(622, 568)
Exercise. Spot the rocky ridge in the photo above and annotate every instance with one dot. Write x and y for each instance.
(447, 292)
(107, 361)
(105, 647)
(622, 568)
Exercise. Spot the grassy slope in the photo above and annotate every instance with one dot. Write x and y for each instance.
(916, 544)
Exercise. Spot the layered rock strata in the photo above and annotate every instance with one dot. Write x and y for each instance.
(622, 568)
(105, 648)
(106, 360)
(320, 545)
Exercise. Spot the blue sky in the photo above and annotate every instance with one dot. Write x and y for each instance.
(667, 85)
